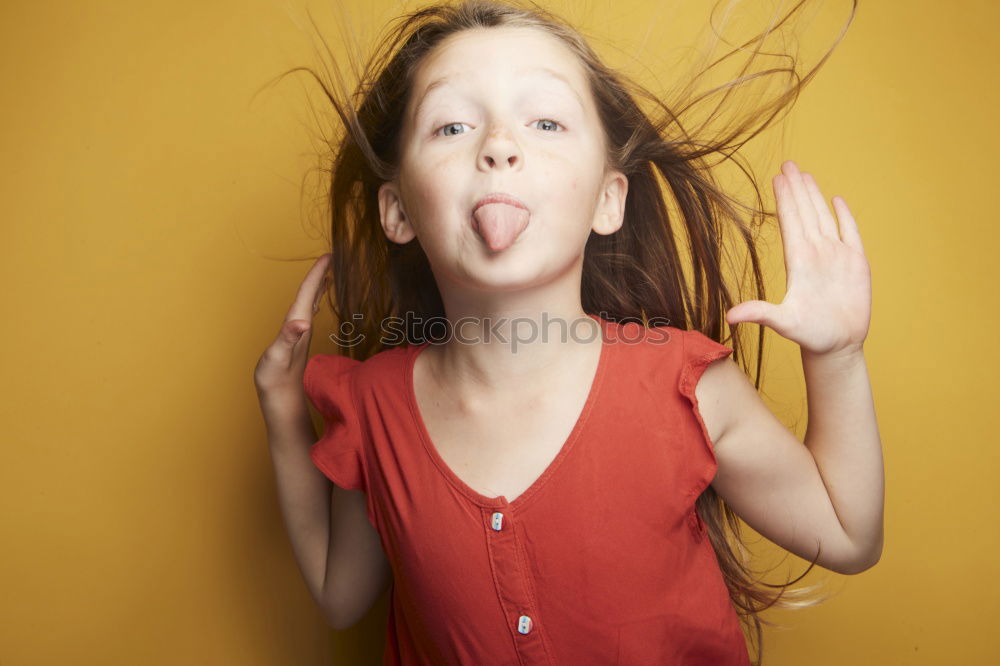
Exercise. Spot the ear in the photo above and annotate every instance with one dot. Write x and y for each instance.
(395, 224)
(610, 213)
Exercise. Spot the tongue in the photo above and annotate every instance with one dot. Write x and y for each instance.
(500, 224)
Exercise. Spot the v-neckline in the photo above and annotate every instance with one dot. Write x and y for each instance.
(501, 501)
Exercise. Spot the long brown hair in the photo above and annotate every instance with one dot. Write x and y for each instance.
(635, 274)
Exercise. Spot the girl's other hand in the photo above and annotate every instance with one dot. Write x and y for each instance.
(827, 304)
(278, 375)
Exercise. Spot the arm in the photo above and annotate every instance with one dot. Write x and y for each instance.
(303, 494)
(830, 492)
(843, 438)
(336, 548)
(825, 494)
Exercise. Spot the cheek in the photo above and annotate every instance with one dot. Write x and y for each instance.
(439, 184)
(431, 192)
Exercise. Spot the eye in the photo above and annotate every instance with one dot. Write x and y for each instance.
(551, 123)
(446, 127)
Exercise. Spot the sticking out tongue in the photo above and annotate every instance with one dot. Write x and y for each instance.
(500, 224)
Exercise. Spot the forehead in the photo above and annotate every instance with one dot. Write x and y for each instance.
(494, 54)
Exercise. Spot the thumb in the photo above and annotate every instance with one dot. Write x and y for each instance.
(758, 312)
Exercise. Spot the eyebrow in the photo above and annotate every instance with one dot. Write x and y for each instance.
(545, 71)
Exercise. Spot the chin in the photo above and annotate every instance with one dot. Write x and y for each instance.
(513, 271)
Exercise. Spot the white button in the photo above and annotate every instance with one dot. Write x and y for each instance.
(497, 521)
(524, 624)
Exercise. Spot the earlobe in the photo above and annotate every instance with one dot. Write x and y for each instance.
(611, 211)
(395, 224)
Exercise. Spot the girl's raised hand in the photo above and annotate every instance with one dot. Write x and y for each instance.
(827, 304)
(278, 375)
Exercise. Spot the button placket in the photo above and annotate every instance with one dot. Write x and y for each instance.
(512, 586)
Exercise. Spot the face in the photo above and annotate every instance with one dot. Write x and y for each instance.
(501, 110)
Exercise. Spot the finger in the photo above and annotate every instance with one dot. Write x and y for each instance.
(807, 212)
(788, 217)
(758, 312)
(848, 227)
(826, 223)
(306, 300)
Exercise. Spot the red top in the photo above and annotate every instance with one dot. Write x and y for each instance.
(602, 560)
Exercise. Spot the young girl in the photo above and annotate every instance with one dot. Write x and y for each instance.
(535, 435)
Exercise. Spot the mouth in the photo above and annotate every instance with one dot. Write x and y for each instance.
(499, 197)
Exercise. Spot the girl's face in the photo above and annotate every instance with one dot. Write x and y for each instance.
(501, 110)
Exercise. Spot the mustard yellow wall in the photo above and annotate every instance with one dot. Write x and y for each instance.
(146, 196)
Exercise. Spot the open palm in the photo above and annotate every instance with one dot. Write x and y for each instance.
(827, 304)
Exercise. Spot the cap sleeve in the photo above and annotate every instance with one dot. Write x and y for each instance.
(338, 453)
(698, 350)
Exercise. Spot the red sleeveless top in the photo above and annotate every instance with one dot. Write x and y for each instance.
(602, 560)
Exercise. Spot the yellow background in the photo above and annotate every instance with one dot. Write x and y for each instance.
(147, 197)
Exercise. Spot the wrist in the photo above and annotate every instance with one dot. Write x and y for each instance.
(842, 360)
(282, 406)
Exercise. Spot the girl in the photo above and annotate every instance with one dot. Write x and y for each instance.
(546, 481)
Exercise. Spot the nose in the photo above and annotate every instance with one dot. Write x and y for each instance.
(499, 150)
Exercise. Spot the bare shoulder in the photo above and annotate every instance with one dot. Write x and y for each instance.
(725, 395)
